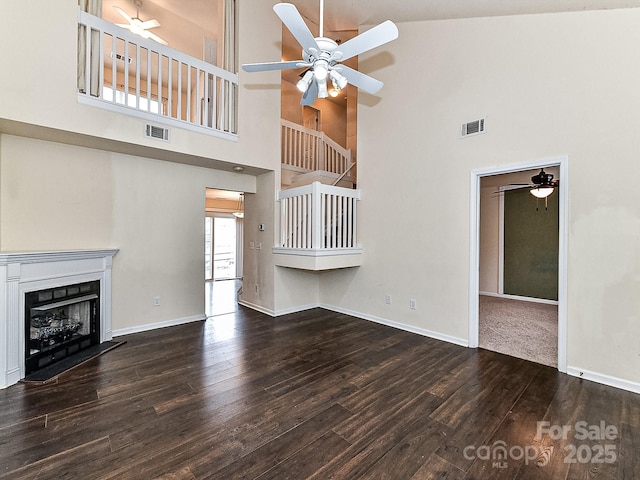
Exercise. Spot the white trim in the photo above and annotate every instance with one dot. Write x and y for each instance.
(401, 326)
(318, 252)
(519, 297)
(155, 118)
(474, 246)
(574, 371)
(259, 308)
(501, 244)
(363, 316)
(604, 379)
(297, 309)
(153, 326)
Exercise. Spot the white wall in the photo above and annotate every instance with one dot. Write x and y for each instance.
(549, 85)
(489, 240)
(55, 196)
(41, 91)
(58, 196)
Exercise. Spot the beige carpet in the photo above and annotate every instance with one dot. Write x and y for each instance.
(520, 329)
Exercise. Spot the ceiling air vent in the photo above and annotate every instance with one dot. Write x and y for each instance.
(120, 57)
(472, 128)
(153, 131)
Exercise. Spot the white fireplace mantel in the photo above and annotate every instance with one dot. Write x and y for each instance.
(22, 272)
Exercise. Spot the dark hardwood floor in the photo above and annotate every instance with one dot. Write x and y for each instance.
(313, 395)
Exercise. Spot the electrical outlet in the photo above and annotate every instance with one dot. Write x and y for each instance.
(156, 301)
(387, 299)
(412, 304)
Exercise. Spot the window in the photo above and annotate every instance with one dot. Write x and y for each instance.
(146, 105)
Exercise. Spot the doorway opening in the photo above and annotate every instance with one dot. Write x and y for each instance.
(223, 240)
(478, 283)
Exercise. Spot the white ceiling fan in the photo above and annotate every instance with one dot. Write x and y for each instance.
(139, 27)
(320, 55)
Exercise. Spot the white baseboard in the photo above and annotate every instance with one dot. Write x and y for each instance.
(364, 316)
(604, 379)
(152, 326)
(299, 308)
(256, 307)
(401, 326)
(518, 297)
(574, 371)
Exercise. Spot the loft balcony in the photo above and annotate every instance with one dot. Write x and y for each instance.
(123, 72)
(318, 228)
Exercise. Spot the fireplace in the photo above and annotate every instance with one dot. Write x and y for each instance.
(52, 305)
(60, 322)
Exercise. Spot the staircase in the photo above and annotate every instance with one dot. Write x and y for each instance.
(318, 203)
(310, 156)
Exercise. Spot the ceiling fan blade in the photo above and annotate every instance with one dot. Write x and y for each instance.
(310, 95)
(150, 24)
(372, 38)
(155, 37)
(295, 24)
(508, 188)
(360, 80)
(124, 14)
(267, 66)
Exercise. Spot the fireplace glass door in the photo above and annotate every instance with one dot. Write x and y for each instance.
(60, 322)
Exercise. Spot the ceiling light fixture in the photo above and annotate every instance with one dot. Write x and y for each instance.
(305, 81)
(541, 192)
(339, 81)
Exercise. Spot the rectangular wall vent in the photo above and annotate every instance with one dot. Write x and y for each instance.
(472, 128)
(153, 131)
(120, 57)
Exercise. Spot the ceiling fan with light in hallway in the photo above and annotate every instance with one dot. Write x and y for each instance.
(542, 185)
(139, 27)
(320, 55)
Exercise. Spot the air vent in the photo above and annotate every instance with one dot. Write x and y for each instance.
(472, 128)
(153, 131)
(120, 57)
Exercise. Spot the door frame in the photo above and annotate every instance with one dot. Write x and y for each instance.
(474, 263)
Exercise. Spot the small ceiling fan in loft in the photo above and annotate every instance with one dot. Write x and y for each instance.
(542, 185)
(139, 27)
(321, 55)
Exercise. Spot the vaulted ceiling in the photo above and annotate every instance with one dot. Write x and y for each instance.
(201, 15)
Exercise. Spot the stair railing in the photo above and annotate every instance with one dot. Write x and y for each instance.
(311, 150)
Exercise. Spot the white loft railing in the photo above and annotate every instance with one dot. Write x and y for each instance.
(140, 77)
(318, 219)
(312, 150)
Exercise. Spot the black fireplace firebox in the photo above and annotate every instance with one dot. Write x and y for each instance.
(61, 322)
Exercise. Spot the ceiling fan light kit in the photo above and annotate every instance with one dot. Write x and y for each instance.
(321, 56)
(542, 185)
(541, 192)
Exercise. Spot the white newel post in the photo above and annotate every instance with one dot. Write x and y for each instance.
(23, 272)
